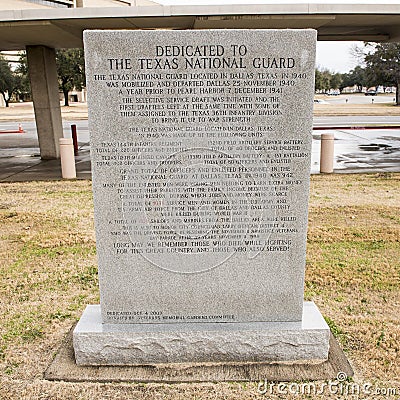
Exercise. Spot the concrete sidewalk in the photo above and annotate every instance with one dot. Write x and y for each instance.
(31, 168)
(361, 151)
(19, 152)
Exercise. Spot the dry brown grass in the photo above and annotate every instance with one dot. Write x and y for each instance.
(379, 109)
(48, 275)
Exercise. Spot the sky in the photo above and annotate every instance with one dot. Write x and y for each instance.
(334, 56)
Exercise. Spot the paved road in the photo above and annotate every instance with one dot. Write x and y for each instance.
(356, 120)
(83, 131)
(29, 138)
(360, 99)
(355, 150)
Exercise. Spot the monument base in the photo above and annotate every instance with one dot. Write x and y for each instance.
(98, 344)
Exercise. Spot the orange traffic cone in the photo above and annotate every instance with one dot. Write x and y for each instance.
(20, 130)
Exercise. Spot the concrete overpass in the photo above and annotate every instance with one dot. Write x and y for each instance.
(40, 31)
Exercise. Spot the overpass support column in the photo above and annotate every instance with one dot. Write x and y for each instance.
(46, 102)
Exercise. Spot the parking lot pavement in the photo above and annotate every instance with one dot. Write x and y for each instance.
(29, 167)
(20, 156)
(356, 151)
(361, 151)
(388, 98)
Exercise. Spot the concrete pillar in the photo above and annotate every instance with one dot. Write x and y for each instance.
(46, 101)
(327, 153)
(68, 169)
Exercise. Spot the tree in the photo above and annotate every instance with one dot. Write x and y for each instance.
(22, 70)
(383, 65)
(322, 80)
(70, 70)
(336, 80)
(10, 82)
(357, 77)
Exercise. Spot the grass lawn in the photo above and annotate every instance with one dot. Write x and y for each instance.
(48, 274)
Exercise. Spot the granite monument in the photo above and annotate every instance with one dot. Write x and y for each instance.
(200, 145)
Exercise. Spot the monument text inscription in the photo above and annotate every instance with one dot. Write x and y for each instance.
(201, 158)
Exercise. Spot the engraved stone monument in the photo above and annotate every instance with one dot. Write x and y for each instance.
(200, 144)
